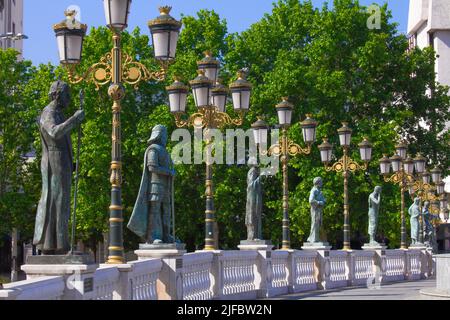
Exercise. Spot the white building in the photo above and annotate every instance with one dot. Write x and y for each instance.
(11, 21)
(429, 25)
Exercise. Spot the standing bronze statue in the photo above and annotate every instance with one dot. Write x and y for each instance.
(317, 202)
(53, 212)
(254, 204)
(414, 212)
(374, 208)
(429, 228)
(153, 212)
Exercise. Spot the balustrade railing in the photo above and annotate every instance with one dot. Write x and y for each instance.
(305, 271)
(395, 266)
(364, 267)
(238, 269)
(339, 272)
(196, 276)
(143, 279)
(230, 275)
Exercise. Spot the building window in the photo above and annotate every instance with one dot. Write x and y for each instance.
(431, 39)
(412, 42)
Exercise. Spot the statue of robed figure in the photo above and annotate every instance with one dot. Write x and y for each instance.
(429, 229)
(153, 212)
(317, 202)
(253, 213)
(53, 212)
(414, 212)
(374, 208)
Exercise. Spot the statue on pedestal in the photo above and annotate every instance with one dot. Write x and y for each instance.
(317, 201)
(153, 212)
(253, 211)
(374, 208)
(414, 212)
(53, 212)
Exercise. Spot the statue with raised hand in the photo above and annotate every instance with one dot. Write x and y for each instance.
(374, 208)
(429, 229)
(317, 202)
(53, 212)
(153, 211)
(254, 204)
(414, 212)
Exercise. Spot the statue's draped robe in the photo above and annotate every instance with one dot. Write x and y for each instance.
(254, 204)
(414, 212)
(317, 202)
(53, 212)
(374, 207)
(153, 208)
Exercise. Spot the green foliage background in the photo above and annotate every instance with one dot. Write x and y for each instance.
(326, 60)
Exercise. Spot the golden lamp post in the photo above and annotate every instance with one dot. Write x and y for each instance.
(115, 69)
(346, 165)
(284, 149)
(210, 97)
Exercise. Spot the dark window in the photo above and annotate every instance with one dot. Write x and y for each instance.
(431, 39)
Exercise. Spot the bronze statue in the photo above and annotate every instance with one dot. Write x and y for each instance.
(317, 201)
(151, 218)
(53, 212)
(254, 204)
(414, 212)
(430, 230)
(374, 208)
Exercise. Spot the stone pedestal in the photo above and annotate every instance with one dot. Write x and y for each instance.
(171, 256)
(442, 290)
(374, 246)
(77, 271)
(316, 246)
(417, 246)
(258, 245)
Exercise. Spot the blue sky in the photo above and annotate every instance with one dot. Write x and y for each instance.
(40, 15)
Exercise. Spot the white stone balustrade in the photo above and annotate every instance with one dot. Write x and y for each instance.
(279, 273)
(304, 271)
(364, 267)
(240, 275)
(395, 269)
(338, 270)
(143, 279)
(197, 282)
(44, 288)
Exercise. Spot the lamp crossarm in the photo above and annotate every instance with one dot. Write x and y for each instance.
(101, 73)
(208, 117)
(401, 178)
(293, 149)
(346, 164)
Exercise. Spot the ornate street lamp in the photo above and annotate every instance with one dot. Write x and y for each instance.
(165, 31)
(69, 36)
(210, 102)
(436, 175)
(346, 165)
(210, 65)
(284, 150)
(115, 69)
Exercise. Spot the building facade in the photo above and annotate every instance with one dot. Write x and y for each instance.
(11, 21)
(429, 25)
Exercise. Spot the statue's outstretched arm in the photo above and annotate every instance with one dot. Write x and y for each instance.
(58, 131)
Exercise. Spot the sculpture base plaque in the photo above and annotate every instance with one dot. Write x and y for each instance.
(259, 245)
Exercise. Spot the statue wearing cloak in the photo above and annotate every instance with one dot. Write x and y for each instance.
(317, 202)
(254, 204)
(374, 208)
(151, 218)
(414, 212)
(53, 212)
